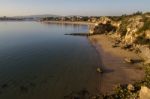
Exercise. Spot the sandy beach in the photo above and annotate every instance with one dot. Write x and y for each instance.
(116, 71)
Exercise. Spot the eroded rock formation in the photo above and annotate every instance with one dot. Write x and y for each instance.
(130, 30)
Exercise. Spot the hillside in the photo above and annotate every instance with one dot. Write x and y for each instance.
(130, 33)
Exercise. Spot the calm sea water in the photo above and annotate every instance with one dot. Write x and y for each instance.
(37, 61)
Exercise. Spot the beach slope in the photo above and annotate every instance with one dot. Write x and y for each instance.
(116, 70)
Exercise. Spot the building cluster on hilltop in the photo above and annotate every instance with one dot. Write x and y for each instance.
(72, 19)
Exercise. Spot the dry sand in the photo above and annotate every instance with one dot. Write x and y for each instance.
(116, 71)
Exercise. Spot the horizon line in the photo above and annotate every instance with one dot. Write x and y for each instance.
(74, 15)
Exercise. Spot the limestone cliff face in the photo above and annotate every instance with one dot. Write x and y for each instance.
(104, 25)
(134, 24)
(138, 35)
(147, 34)
(145, 53)
(131, 30)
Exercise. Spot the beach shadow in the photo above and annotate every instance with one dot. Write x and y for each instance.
(108, 70)
(135, 61)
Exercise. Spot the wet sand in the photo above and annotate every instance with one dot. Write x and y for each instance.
(116, 71)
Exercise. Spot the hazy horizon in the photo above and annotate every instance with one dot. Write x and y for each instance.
(72, 7)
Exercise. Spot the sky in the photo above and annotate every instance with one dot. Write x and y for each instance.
(72, 7)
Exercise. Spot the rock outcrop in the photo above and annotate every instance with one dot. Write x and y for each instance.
(104, 25)
(144, 93)
(132, 33)
(147, 34)
(145, 53)
(134, 24)
(104, 28)
(131, 30)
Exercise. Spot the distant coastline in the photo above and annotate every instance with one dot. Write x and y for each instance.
(69, 22)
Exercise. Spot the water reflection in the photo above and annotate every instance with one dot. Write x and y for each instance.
(37, 61)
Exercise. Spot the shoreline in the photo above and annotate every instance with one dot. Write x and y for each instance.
(116, 71)
(68, 22)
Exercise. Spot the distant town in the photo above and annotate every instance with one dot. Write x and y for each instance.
(53, 18)
(92, 19)
(4, 18)
(72, 18)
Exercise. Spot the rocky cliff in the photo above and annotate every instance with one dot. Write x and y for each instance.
(133, 30)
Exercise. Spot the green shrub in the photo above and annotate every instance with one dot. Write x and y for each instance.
(117, 18)
(138, 13)
(123, 27)
(146, 25)
(142, 40)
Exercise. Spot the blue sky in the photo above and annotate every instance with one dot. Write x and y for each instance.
(72, 7)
